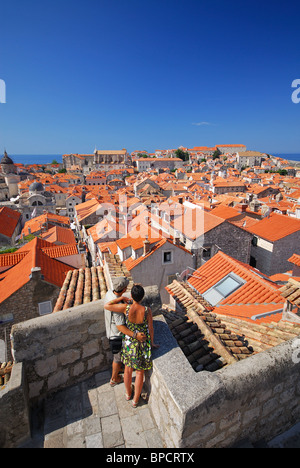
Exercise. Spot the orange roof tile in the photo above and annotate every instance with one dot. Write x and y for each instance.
(225, 212)
(295, 259)
(16, 277)
(87, 208)
(35, 224)
(256, 291)
(59, 234)
(275, 227)
(8, 221)
(195, 222)
(56, 251)
(136, 237)
(10, 259)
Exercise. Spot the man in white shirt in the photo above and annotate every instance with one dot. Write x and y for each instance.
(114, 320)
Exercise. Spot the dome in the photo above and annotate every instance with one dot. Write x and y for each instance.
(36, 187)
(6, 159)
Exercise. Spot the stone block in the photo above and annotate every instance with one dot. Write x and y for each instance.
(90, 348)
(46, 367)
(112, 431)
(69, 356)
(59, 379)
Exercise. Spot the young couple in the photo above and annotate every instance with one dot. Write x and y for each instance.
(129, 328)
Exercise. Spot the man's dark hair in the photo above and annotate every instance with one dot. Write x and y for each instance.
(137, 292)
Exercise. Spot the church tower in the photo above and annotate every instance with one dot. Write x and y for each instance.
(7, 165)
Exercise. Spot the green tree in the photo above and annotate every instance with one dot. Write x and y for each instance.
(216, 154)
(184, 155)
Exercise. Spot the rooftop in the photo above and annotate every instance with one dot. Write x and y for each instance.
(211, 340)
(35, 254)
(80, 287)
(275, 227)
(253, 292)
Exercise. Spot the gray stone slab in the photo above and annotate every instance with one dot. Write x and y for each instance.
(74, 428)
(94, 441)
(54, 439)
(77, 441)
(153, 438)
(146, 418)
(133, 432)
(112, 431)
(92, 425)
(107, 403)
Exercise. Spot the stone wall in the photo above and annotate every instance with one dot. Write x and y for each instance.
(254, 399)
(62, 348)
(68, 346)
(14, 414)
(272, 258)
(232, 240)
(24, 304)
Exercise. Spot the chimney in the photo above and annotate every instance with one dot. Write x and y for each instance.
(146, 247)
(176, 240)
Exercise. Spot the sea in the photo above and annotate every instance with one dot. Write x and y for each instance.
(48, 158)
(35, 158)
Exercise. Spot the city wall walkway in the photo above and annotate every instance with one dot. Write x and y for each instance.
(92, 414)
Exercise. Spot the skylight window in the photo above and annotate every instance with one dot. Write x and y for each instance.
(223, 289)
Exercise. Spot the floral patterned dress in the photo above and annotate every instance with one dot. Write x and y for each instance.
(135, 354)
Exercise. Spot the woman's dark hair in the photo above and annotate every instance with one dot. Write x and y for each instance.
(137, 292)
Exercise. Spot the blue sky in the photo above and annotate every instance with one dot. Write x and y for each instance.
(148, 74)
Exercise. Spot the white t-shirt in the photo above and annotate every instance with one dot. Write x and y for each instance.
(112, 319)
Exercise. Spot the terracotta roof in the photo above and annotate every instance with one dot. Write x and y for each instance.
(81, 287)
(291, 292)
(48, 219)
(210, 340)
(56, 251)
(58, 234)
(295, 259)
(8, 221)
(226, 348)
(194, 222)
(136, 237)
(130, 263)
(10, 259)
(5, 373)
(17, 276)
(220, 146)
(260, 335)
(256, 289)
(225, 212)
(87, 208)
(105, 228)
(275, 227)
(110, 247)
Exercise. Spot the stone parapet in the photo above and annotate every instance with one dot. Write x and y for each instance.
(254, 399)
(62, 348)
(14, 414)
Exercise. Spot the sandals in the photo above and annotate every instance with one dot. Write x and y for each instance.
(113, 383)
(128, 397)
(134, 404)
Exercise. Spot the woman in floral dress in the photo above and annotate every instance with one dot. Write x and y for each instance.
(135, 355)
